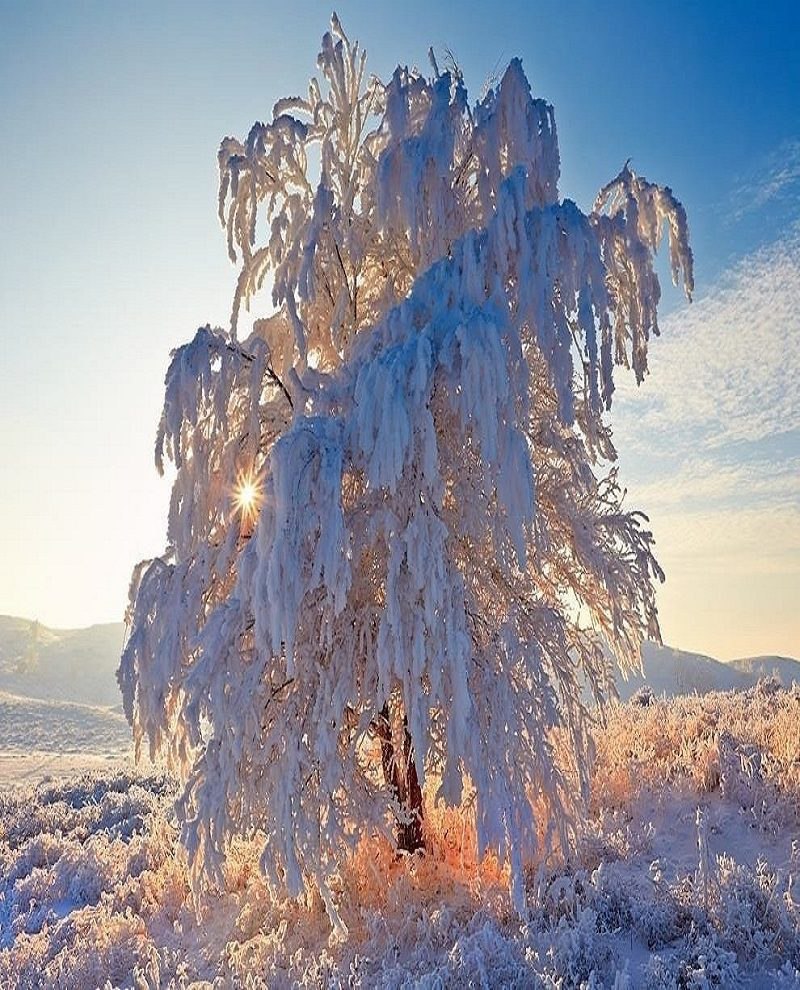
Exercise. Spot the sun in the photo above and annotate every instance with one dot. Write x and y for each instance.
(247, 498)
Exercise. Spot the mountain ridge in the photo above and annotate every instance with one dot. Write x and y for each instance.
(79, 665)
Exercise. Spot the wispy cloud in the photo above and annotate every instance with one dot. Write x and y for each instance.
(776, 176)
(707, 484)
(710, 449)
(727, 368)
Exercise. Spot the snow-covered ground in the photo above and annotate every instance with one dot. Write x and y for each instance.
(60, 706)
(56, 739)
(93, 888)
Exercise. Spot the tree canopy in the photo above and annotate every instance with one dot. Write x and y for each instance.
(431, 561)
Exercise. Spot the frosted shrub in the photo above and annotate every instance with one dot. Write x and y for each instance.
(643, 697)
(744, 743)
(703, 966)
(708, 965)
(787, 978)
(755, 914)
(659, 975)
(580, 953)
(396, 541)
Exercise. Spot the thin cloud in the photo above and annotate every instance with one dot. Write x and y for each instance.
(726, 369)
(710, 449)
(778, 175)
(706, 484)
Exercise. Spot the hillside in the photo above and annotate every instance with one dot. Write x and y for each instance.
(75, 665)
(671, 672)
(785, 668)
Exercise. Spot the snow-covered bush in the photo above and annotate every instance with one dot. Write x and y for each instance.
(644, 696)
(744, 743)
(755, 913)
(579, 954)
(396, 538)
(704, 965)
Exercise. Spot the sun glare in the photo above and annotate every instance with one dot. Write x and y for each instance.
(247, 497)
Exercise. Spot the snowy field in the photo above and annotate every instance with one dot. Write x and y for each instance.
(688, 875)
(42, 739)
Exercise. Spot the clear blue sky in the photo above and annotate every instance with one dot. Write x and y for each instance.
(110, 117)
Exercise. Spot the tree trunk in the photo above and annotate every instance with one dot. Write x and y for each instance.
(400, 774)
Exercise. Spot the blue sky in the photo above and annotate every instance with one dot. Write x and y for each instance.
(110, 117)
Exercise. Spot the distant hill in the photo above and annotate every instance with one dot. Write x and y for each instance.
(76, 665)
(79, 665)
(785, 668)
(670, 672)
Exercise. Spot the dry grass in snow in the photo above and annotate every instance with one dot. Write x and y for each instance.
(685, 877)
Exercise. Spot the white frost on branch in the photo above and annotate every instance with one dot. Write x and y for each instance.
(441, 541)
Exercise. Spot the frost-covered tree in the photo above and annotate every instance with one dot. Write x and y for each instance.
(397, 546)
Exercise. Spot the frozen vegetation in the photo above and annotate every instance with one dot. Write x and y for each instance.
(685, 875)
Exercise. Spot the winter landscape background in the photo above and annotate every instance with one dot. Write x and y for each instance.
(686, 868)
(61, 712)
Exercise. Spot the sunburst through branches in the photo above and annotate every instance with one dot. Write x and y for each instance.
(248, 496)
